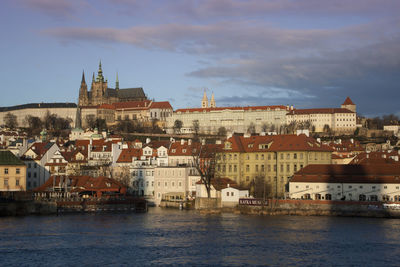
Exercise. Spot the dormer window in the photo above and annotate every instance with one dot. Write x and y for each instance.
(184, 150)
(173, 150)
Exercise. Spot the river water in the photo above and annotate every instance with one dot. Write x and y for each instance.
(173, 237)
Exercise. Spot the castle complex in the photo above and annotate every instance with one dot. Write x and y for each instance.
(100, 93)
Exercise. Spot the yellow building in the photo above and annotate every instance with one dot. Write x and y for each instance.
(272, 159)
(12, 172)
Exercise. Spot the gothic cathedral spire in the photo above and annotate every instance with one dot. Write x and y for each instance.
(100, 77)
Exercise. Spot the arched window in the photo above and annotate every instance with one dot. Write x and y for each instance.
(362, 197)
(328, 196)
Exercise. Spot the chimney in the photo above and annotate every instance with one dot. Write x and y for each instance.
(319, 140)
(228, 185)
(203, 142)
(182, 141)
(148, 140)
(190, 142)
(291, 107)
(352, 140)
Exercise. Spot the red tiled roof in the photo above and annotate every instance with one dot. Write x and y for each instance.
(348, 102)
(132, 104)
(331, 173)
(106, 106)
(376, 157)
(162, 105)
(127, 155)
(84, 183)
(290, 142)
(319, 111)
(254, 108)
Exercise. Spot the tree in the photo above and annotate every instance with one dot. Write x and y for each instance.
(264, 127)
(222, 131)
(252, 128)
(204, 160)
(177, 126)
(10, 121)
(91, 121)
(34, 124)
(196, 127)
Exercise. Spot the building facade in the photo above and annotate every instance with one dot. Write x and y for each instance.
(273, 159)
(12, 172)
(341, 120)
(375, 182)
(211, 118)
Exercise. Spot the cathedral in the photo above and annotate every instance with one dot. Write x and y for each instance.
(100, 93)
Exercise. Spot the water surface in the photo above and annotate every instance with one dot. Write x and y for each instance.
(172, 237)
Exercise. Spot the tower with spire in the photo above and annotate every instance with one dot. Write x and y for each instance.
(204, 101)
(212, 102)
(83, 92)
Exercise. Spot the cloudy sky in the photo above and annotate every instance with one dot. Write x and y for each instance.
(308, 53)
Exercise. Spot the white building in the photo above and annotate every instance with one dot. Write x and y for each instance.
(339, 120)
(373, 182)
(235, 119)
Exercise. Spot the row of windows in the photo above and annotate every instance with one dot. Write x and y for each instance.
(34, 165)
(260, 168)
(6, 183)
(17, 171)
(167, 184)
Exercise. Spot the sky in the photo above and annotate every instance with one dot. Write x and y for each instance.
(306, 53)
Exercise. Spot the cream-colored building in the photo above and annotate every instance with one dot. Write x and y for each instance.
(339, 120)
(273, 159)
(372, 182)
(235, 119)
(62, 110)
(12, 172)
(171, 181)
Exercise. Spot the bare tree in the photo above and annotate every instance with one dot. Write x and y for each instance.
(10, 121)
(252, 128)
(196, 127)
(222, 131)
(204, 160)
(177, 126)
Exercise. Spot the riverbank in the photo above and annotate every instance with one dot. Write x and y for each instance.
(314, 208)
(59, 206)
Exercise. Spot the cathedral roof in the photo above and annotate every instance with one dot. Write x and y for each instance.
(126, 93)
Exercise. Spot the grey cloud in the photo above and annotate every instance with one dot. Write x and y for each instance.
(55, 8)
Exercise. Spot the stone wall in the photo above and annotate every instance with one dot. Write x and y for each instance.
(207, 203)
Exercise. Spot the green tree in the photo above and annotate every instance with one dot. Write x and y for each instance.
(222, 131)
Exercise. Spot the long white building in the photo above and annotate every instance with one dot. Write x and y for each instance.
(235, 119)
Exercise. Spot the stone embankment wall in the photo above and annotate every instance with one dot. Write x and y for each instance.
(20, 208)
(207, 203)
(187, 205)
(320, 208)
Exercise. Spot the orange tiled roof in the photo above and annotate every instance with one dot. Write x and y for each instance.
(132, 104)
(163, 105)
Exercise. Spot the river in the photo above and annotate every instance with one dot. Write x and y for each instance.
(173, 237)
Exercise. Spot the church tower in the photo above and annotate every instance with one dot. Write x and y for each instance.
(83, 93)
(348, 104)
(212, 102)
(99, 88)
(204, 101)
(117, 83)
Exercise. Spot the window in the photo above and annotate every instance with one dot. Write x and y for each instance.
(282, 156)
(232, 194)
(5, 182)
(227, 194)
(180, 184)
(295, 155)
(256, 168)
(262, 156)
(234, 168)
(287, 168)
(256, 156)
(282, 167)
(247, 168)
(288, 156)
(295, 167)
(262, 168)
(6, 171)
